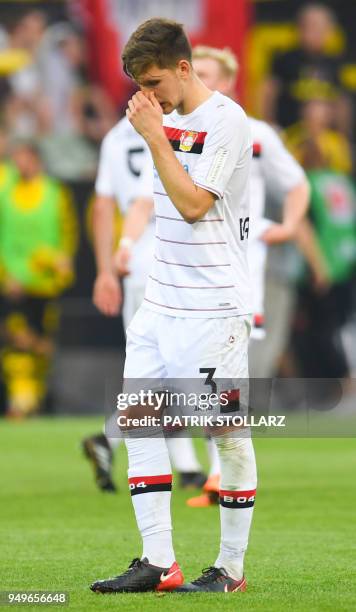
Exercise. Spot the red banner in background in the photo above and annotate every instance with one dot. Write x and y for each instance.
(225, 25)
(109, 23)
(104, 47)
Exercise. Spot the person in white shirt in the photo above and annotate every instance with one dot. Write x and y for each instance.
(195, 321)
(273, 168)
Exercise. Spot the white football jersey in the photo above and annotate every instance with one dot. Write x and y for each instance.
(273, 168)
(125, 173)
(200, 269)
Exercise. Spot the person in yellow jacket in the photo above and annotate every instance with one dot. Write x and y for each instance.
(38, 239)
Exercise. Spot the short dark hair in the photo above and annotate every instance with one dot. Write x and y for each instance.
(156, 41)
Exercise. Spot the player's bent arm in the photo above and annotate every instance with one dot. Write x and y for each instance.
(191, 201)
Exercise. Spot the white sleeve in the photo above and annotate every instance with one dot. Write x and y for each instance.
(225, 148)
(281, 171)
(104, 185)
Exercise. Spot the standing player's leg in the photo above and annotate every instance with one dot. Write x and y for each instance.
(150, 482)
(237, 497)
(238, 470)
(257, 254)
(150, 474)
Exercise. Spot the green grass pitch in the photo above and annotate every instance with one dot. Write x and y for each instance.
(59, 533)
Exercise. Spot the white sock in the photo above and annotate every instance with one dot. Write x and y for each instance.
(150, 482)
(213, 457)
(182, 454)
(237, 494)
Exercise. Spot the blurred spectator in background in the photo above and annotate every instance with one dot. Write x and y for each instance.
(315, 126)
(24, 108)
(305, 72)
(61, 64)
(322, 312)
(81, 113)
(95, 113)
(38, 237)
(45, 95)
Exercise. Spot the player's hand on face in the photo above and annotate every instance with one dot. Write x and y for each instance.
(278, 233)
(145, 114)
(107, 295)
(121, 261)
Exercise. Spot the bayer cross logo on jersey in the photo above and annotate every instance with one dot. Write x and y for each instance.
(187, 140)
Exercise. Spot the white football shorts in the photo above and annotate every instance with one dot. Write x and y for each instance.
(160, 346)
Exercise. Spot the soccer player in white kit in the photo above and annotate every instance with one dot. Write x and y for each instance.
(197, 308)
(273, 169)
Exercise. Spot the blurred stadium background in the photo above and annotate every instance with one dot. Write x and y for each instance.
(62, 88)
